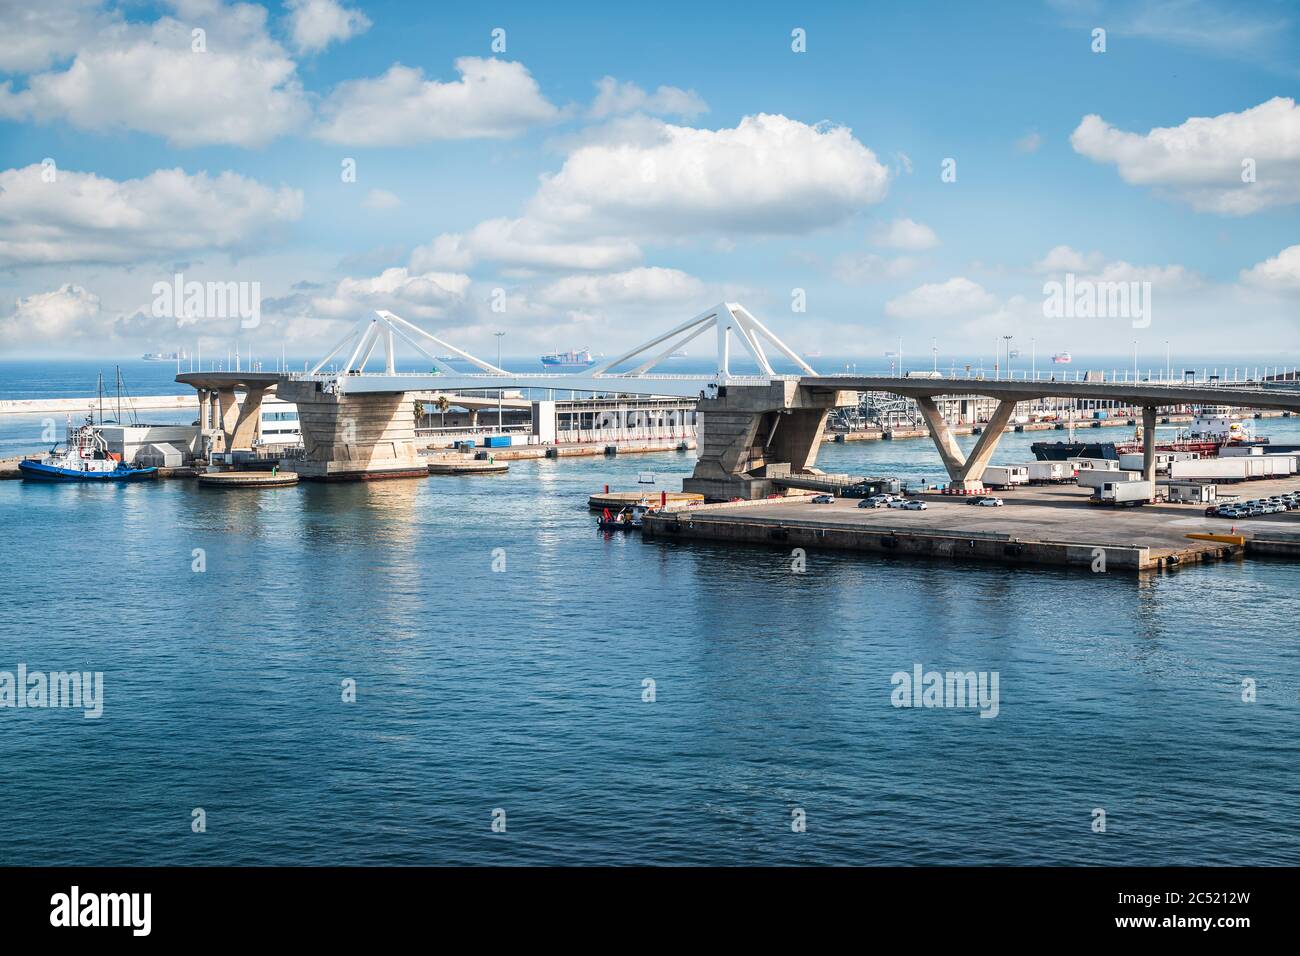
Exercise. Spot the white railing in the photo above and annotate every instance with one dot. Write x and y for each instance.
(581, 435)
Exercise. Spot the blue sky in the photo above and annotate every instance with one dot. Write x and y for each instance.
(839, 196)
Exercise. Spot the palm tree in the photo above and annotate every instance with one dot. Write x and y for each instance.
(443, 404)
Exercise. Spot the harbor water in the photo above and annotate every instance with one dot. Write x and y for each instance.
(503, 653)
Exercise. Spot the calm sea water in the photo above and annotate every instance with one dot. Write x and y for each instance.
(521, 690)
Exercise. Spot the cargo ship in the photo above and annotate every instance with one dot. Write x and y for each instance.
(578, 358)
(1062, 358)
(1207, 435)
(165, 356)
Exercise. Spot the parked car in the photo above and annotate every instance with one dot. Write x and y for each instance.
(1212, 511)
(824, 500)
(898, 503)
(989, 501)
(914, 505)
(873, 502)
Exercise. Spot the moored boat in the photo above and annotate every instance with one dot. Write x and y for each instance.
(84, 457)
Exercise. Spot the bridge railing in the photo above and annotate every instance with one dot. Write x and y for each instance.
(1208, 377)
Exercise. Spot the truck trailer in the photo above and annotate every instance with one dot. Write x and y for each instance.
(1124, 493)
(1096, 477)
(1005, 476)
(1213, 469)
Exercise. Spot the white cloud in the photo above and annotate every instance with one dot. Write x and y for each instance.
(1201, 161)
(1280, 273)
(37, 34)
(1065, 259)
(1231, 30)
(907, 235)
(613, 98)
(315, 24)
(147, 77)
(492, 99)
(81, 217)
(643, 285)
(381, 199)
(68, 314)
(1030, 142)
(522, 243)
(958, 296)
(768, 175)
(413, 296)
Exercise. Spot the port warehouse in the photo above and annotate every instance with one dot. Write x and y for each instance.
(471, 416)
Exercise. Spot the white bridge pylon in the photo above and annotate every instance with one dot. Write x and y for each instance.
(369, 333)
(724, 319)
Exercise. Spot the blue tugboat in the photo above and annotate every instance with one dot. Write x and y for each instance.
(85, 457)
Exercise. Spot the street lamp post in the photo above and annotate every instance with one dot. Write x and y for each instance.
(499, 413)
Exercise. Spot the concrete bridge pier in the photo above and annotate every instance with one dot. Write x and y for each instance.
(750, 434)
(1149, 443)
(354, 437)
(966, 473)
(240, 433)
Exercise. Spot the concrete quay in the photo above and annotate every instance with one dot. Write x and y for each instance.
(1041, 525)
(581, 449)
(52, 406)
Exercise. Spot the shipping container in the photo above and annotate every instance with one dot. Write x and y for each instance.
(1190, 492)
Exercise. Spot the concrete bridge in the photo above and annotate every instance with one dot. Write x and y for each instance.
(753, 428)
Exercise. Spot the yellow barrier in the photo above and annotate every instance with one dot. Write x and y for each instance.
(1238, 539)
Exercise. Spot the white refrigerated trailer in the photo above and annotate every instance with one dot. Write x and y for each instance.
(1124, 493)
(1044, 472)
(1212, 469)
(1005, 476)
(1095, 478)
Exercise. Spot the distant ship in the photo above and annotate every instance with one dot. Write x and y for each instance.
(1062, 358)
(680, 354)
(1207, 436)
(813, 354)
(165, 356)
(580, 358)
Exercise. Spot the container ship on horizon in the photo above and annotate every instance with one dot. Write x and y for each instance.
(576, 358)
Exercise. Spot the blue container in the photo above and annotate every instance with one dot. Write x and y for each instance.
(464, 444)
(496, 441)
